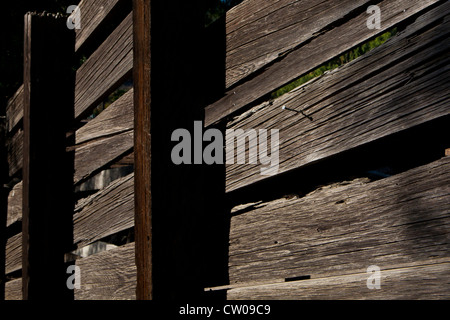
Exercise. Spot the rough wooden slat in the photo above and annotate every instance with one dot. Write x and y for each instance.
(383, 92)
(254, 41)
(105, 69)
(109, 275)
(13, 290)
(15, 204)
(325, 46)
(14, 253)
(345, 227)
(14, 147)
(424, 282)
(118, 117)
(93, 13)
(107, 212)
(14, 110)
(91, 157)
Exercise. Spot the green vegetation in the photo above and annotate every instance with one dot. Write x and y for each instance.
(335, 63)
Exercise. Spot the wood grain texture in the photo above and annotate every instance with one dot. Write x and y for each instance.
(15, 204)
(14, 110)
(93, 13)
(13, 290)
(107, 212)
(319, 49)
(14, 253)
(142, 70)
(394, 87)
(93, 156)
(345, 227)
(117, 118)
(14, 147)
(422, 282)
(105, 69)
(258, 38)
(109, 275)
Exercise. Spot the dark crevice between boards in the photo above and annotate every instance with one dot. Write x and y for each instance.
(376, 160)
(107, 243)
(299, 278)
(13, 275)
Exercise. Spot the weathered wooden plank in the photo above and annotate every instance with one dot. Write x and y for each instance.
(13, 290)
(269, 33)
(93, 13)
(109, 275)
(14, 110)
(323, 47)
(107, 212)
(105, 69)
(14, 253)
(15, 204)
(424, 282)
(14, 147)
(94, 155)
(345, 227)
(117, 118)
(381, 93)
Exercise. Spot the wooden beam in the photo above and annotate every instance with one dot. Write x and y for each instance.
(167, 46)
(3, 200)
(48, 110)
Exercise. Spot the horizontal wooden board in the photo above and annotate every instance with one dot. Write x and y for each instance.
(93, 13)
(13, 253)
(422, 282)
(394, 87)
(14, 110)
(107, 212)
(258, 38)
(345, 227)
(327, 44)
(14, 147)
(105, 69)
(15, 204)
(13, 290)
(93, 156)
(109, 275)
(117, 118)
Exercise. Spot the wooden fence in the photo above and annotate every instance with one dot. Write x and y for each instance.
(363, 174)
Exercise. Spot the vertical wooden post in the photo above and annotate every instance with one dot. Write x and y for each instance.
(48, 108)
(168, 95)
(3, 200)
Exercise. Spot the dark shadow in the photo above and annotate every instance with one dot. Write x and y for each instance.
(3, 200)
(189, 221)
